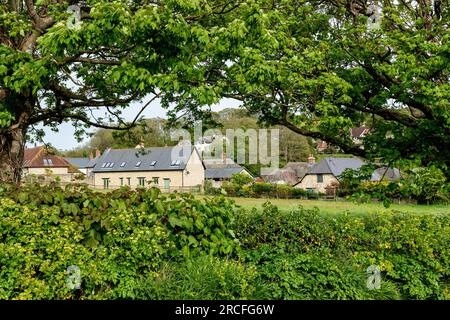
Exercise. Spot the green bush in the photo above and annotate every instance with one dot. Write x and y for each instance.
(411, 250)
(299, 193)
(205, 278)
(423, 184)
(118, 240)
(428, 184)
(241, 186)
(210, 190)
(263, 188)
(317, 274)
(145, 245)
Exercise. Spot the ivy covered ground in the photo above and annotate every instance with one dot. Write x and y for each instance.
(146, 245)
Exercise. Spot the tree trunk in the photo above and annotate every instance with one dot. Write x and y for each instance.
(12, 144)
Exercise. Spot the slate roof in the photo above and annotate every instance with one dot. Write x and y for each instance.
(91, 163)
(336, 166)
(215, 163)
(126, 160)
(79, 162)
(221, 169)
(222, 173)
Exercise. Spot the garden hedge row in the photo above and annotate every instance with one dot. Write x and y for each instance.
(146, 245)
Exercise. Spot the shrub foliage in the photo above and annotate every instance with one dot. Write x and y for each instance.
(118, 240)
(146, 245)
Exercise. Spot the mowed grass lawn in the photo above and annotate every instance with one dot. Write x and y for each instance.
(340, 206)
(335, 207)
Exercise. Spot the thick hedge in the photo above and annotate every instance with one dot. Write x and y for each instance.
(263, 190)
(145, 245)
(303, 254)
(118, 240)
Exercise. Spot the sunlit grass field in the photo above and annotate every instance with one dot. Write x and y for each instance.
(335, 207)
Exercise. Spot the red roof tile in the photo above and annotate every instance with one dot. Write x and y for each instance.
(34, 158)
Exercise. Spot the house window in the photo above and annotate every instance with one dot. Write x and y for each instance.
(138, 164)
(155, 180)
(105, 183)
(48, 162)
(319, 178)
(152, 164)
(123, 164)
(141, 181)
(166, 183)
(129, 181)
(121, 181)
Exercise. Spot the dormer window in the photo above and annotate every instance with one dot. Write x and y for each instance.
(104, 165)
(138, 164)
(152, 164)
(175, 163)
(48, 162)
(123, 164)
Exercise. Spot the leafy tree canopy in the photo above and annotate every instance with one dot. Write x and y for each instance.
(52, 70)
(313, 66)
(321, 68)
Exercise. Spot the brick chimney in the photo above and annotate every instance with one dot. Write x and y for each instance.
(311, 159)
(97, 153)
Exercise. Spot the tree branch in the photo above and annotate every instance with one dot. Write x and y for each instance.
(352, 149)
(40, 24)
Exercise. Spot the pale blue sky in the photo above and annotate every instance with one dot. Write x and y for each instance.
(64, 139)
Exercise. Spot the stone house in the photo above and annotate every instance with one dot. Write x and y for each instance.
(326, 173)
(41, 165)
(219, 170)
(145, 167)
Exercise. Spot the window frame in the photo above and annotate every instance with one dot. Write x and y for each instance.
(321, 178)
(141, 179)
(106, 183)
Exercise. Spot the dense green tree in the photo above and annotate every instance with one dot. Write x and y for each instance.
(315, 67)
(150, 132)
(322, 67)
(78, 152)
(54, 69)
